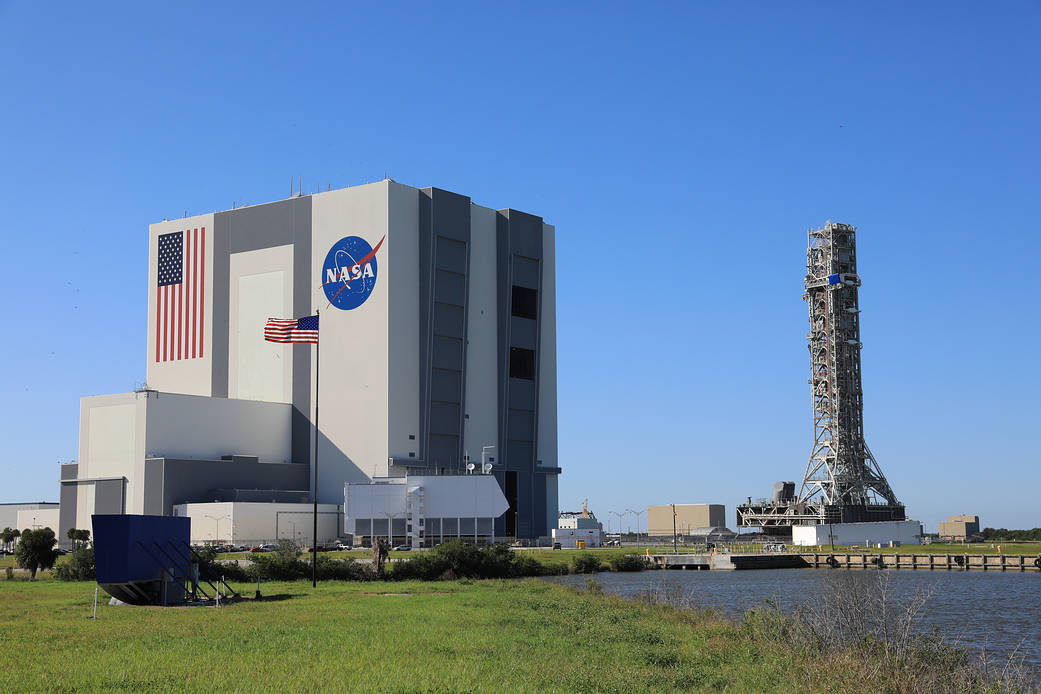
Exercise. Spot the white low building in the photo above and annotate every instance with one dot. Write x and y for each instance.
(251, 523)
(908, 532)
(424, 510)
(570, 537)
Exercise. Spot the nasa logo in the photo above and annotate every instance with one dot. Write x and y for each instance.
(350, 271)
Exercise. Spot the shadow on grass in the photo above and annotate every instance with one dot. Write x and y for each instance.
(278, 597)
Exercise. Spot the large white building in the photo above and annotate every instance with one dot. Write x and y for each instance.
(437, 342)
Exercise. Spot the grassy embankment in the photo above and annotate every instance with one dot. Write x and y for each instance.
(403, 637)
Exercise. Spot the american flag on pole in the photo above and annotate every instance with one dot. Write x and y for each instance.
(292, 329)
(180, 293)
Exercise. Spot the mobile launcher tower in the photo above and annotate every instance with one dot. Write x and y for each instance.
(843, 482)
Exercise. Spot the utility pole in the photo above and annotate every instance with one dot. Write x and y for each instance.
(674, 549)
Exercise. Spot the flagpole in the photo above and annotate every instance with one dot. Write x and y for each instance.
(314, 536)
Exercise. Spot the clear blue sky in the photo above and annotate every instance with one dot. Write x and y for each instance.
(681, 150)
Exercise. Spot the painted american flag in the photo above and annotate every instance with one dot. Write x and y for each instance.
(292, 329)
(180, 293)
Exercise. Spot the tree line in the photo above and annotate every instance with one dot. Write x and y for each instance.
(1033, 535)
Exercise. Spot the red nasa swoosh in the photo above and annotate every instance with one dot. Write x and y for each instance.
(371, 254)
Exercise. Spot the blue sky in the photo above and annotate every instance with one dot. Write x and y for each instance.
(681, 149)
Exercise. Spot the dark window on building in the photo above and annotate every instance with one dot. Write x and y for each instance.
(525, 303)
(522, 363)
(411, 437)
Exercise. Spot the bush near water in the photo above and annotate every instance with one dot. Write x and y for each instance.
(451, 560)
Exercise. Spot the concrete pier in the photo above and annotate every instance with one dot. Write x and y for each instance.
(944, 562)
(728, 562)
(848, 560)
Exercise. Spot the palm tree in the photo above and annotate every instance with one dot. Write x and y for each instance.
(380, 549)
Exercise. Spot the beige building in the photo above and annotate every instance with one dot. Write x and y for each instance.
(689, 517)
(959, 528)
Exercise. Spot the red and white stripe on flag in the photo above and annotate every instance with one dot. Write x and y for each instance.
(180, 294)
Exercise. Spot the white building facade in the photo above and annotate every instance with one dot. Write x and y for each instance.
(437, 345)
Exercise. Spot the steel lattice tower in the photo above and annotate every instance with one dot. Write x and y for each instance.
(843, 482)
(841, 470)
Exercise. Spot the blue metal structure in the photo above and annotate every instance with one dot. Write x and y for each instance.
(143, 560)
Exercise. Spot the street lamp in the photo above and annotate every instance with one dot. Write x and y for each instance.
(484, 449)
(619, 514)
(637, 514)
(216, 523)
(390, 527)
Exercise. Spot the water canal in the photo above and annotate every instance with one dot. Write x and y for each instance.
(997, 611)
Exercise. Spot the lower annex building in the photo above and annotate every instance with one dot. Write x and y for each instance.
(437, 350)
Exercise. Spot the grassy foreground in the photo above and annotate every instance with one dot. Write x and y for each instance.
(484, 636)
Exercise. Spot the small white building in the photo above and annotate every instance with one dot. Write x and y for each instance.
(908, 532)
(253, 523)
(569, 537)
(424, 510)
(575, 526)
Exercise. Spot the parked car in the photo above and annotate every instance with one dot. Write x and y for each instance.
(402, 548)
(257, 550)
(341, 547)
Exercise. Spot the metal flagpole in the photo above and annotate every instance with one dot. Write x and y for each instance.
(314, 536)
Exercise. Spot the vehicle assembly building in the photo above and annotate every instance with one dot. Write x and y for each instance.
(843, 482)
(437, 347)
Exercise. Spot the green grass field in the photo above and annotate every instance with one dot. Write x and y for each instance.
(484, 636)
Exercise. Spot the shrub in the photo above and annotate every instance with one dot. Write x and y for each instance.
(206, 553)
(36, 550)
(462, 559)
(9, 572)
(276, 567)
(584, 564)
(229, 570)
(286, 549)
(79, 566)
(329, 569)
(525, 565)
(629, 562)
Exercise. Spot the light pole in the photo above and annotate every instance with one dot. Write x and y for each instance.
(390, 527)
(619, 514)
(216, 525)
(637, 514)
(674, 548)
(483, 450)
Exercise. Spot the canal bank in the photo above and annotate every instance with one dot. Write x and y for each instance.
(999, 612)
